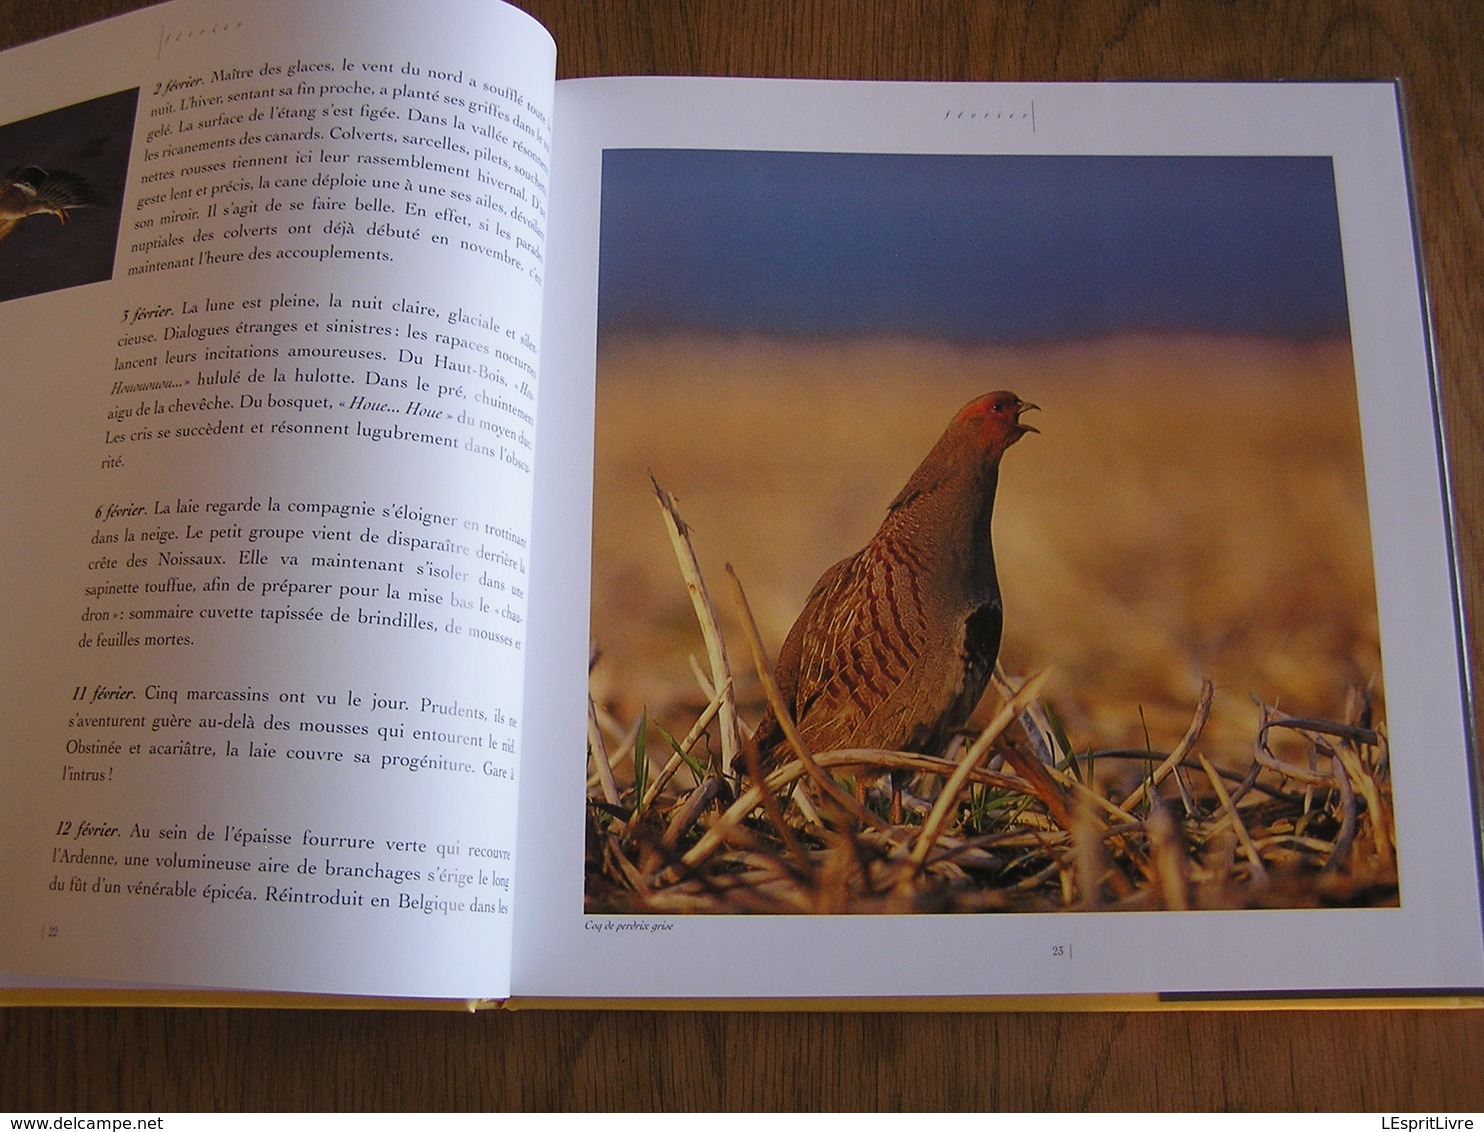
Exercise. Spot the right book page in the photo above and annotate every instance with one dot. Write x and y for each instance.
(1217, 582)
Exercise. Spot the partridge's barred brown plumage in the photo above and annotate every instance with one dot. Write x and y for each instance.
(896, 643)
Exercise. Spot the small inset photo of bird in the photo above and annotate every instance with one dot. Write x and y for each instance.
(62, 177)
(980, 534)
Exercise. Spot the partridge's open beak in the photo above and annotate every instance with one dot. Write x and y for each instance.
(1020, 424)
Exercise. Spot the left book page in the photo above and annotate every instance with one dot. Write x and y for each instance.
(270, 294)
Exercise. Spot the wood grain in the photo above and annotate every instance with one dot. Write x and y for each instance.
(53, 1059)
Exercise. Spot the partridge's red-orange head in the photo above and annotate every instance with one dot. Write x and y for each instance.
(995, 417)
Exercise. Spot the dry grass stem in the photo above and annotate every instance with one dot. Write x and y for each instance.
(1090, 862)
(1376, 804)
(1240, 828)
(1182, 748)
(598, 751)
(1033, 720)
(686, 814)
(721, 672)
(933, 827)
(675, 762)
(1341, 851)
(1086, 795)
(1167, 860)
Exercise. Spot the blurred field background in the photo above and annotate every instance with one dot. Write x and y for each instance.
(1193, 508)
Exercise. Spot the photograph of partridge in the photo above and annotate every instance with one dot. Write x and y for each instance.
(896, 644)
(782, 338)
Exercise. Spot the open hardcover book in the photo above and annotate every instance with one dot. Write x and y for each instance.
(405, 455)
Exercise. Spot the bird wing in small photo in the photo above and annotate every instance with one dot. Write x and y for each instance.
(33, 191)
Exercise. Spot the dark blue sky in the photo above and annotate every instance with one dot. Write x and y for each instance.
(969, 248)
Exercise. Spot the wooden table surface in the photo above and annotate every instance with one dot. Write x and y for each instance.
(1404, 1060)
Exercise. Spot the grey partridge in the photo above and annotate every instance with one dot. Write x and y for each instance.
(896, 643)
(32, 191)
